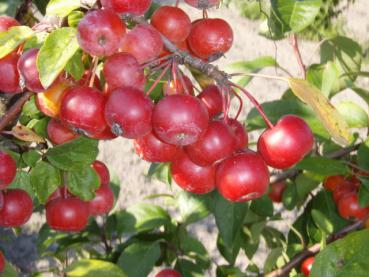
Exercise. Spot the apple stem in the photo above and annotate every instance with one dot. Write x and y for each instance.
(183, 83)
(95, 62)
(156, 62)
(294, 43)
(153, 86)
(240, 101)
(205, 13)
(177, 3)
(224, 103)
(255, 103)
(175, 77)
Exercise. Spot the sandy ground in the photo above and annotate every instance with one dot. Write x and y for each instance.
(122, 160)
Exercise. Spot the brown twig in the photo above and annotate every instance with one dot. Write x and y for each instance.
(13, 112)
(296, 49)
(313, 250)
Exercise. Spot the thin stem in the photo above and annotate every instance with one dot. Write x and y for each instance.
(95, 62)
(183, 83)
(255, 103)
(153, 86)
(295, 45)
(156, 61)
(177, 3)
(241, 103)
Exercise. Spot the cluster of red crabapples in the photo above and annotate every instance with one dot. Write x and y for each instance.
(345, 195)
(206, 148)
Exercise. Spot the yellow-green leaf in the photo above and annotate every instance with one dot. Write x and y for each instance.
(59, 47)
(325, 111)
(12, 38)
(62, 8)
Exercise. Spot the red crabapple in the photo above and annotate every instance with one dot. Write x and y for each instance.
(210, 38)
(6, 22)
(217, 143)
(8, 170)
(212, 98)
(136, 7)
(67, 214)
(180, 119)
(242, 177)
(276, 191)
(123, 70)
(128, 112)
(28, 70)
(349, 208)
(286, 143)
(192, 177)
(168, 273)
(152, 149)
(143, 42)
(82, 109)
(103, 172)
(306, 266)
(2, 259)
(100, 33)
(17, 208)
(9, 81)
(103, 201)
(172, 22)
(58, 133)
(242, 139)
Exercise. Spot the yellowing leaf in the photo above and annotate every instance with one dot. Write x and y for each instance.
(23, 133)
(11, 39)
(325, 111)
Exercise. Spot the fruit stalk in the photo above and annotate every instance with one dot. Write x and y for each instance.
(255, 102)
(296, 49)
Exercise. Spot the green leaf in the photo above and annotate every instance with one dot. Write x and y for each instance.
(22, 181)
(305, 184)
(9, 271)
(54, 55)
(322, 166)
(250, 66)
(45, 179)
(363, 155)
(192, 207)
(142, 217)
(229, 253)
(93, 268)
(83, 182)
(296, 15)
(262, 206)
(355, 116)
(345, 55)
(228, 217)
(272, 258)
(289, 197)
(74, 154)
(62, 8)
(31, 157)
(74, 18)
(9, 7)
(344, 257)
(30, 109)
(138, 259)
(11, 39)
(194, 249)
(75, 66)
(363, 194)
(322, 221)
(188, 268)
